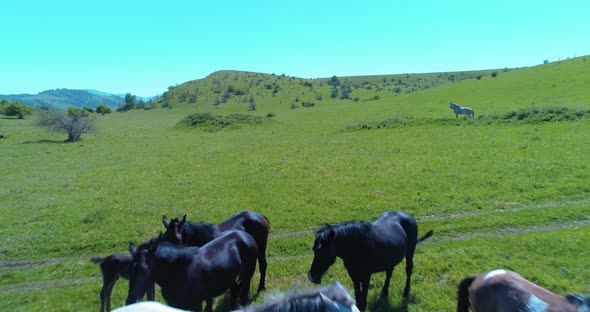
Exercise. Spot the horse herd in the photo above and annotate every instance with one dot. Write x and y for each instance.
(194, 262)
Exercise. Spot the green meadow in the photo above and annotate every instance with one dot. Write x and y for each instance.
(498, 192)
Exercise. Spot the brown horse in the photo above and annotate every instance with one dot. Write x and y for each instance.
(502, 290)
(182, 232)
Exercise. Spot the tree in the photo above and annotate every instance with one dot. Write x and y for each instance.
(74, 122)
(334, 81)
(103, 109)
(16, 109)
(130, 103)
(251, 104)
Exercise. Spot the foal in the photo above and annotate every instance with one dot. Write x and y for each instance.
(502, 290)
(111, 268)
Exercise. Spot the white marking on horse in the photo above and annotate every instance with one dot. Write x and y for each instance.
(494, 273)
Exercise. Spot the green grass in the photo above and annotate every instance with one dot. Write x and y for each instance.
(498, 194)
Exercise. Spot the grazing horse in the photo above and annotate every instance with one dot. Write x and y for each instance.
(459, 110)
(502, 290)
(333, 298)
(111, 268)
(367, 248)
(199, 233)
(190, 275)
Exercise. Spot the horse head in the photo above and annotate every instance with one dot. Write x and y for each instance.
(140, 275)
(324, 251)
(174, 229)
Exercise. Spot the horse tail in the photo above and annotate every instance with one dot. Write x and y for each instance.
(97, 259)
(463, 294)
(427, 235)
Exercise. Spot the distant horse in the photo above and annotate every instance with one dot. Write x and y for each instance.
(459, 110)
(199, 233)
(367, 248)
(503, 290)
(190, 275)
(111, 268)
(333, 298)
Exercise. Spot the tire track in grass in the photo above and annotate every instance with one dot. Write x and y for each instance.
(31, 286)
(548, 205)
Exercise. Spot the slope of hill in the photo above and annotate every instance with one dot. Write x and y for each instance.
(234, 90)
(64, 98)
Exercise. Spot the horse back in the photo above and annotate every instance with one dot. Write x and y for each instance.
(396, 219)
(255, 224)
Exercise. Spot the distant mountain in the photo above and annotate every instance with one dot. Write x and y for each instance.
(145, 98)
(65, 98)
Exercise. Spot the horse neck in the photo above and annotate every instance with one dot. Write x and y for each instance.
(200, 233)
(349, 241)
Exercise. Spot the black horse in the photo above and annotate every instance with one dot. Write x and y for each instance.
(199, 233)
(190, 275)
(111, 268)
(367, 248)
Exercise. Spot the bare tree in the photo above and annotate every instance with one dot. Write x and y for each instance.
(74, 122)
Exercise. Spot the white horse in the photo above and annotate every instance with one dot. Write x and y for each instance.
(461, 110)
(147, 306)
(333, 298)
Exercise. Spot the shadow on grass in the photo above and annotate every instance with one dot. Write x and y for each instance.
(380, 304)
(45, 141)
(223, 304)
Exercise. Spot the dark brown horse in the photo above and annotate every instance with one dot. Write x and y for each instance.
(502, 290)
(199, 233)
(367, 248)
(111, 268)
(190, 275)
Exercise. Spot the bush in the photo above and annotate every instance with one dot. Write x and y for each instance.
(494, 74)
(212, 122)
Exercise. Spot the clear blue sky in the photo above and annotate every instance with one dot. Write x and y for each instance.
(145, 46)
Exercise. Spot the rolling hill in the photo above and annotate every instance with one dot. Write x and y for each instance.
(64, 98)
(554, 84)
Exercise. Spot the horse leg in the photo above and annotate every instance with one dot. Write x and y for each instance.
(365, 281)
(244, 291)
(234, 292)
(385, 290)
(151, 292)
(262, 264)
(409, 269)
(358, 294)
(105, 292)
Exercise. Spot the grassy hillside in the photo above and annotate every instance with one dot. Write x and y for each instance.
(498, 195)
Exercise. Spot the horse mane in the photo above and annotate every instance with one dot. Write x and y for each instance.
(297, 299)
(348, 230)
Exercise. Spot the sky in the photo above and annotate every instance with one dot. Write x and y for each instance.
(143, 47)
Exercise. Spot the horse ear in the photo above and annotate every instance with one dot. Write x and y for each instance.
(183, 220)
(132, 248)
(165, 221)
